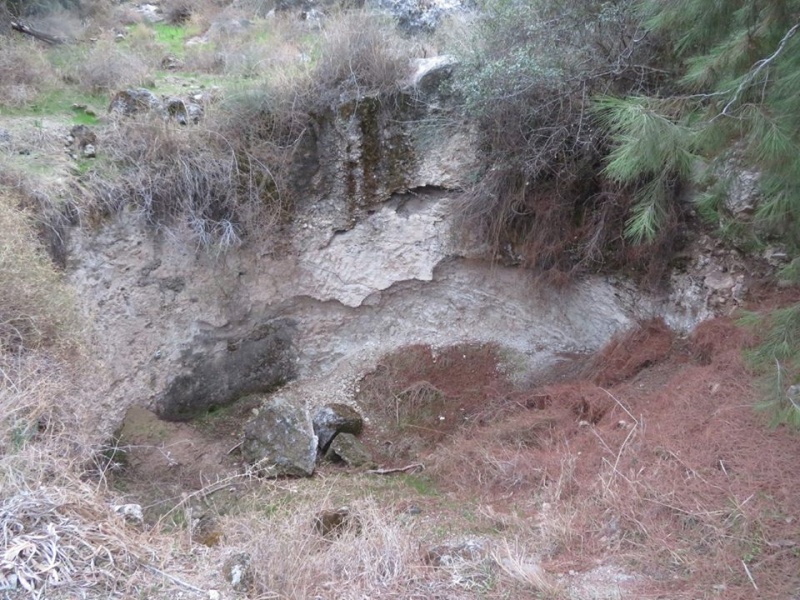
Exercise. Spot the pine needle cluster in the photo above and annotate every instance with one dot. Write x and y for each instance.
(777, 358)
(737, 90)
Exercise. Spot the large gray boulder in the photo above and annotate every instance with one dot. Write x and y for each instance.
(280, 440)
(134, 101)
(220, 366)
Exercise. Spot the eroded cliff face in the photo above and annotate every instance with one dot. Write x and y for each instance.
(371, 262)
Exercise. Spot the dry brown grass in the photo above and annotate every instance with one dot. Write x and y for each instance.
(276, 50)
(381, 558)
(61, 537)
(108, 67)
(359, 54)
(35, 306)
(24, 71)
(188, 179)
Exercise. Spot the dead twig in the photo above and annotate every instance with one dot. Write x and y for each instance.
(174, 579)
(749, 575)
(39, 35)
(410, 468)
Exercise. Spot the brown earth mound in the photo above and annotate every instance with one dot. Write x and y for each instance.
(668, 471)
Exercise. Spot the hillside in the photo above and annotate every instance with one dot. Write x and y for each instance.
(394, 299)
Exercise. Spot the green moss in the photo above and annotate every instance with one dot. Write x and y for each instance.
(386, 153)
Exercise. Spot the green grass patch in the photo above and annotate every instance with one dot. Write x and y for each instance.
(64, 102)
(173, 37)
(421, 484)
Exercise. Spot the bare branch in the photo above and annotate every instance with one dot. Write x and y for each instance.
(757, 68)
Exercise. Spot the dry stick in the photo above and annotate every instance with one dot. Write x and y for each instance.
(602, 441)
(174, 579)
(39, 35)
(749, 576)
(621, 405)
(753, 73)
(619, 455)
(415, 466)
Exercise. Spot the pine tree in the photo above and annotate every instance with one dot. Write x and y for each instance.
(736, 92)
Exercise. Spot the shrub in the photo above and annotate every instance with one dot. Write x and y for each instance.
(185, 178)
(24, 71)
(359, 53)
(108, 67)
(528, 78)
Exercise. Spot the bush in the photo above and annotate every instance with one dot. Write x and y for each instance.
(36, 307)
(108, 67)
(528, 78)
(359, 53)
(24, 71)
(186, 178)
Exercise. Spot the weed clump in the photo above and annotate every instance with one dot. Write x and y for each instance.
(107, 67)
(359, 54)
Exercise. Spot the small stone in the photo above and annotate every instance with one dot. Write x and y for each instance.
(333, 523)
(131, 512)
(135, 100)
(446, 555)
(238, 572)
(89, 151)
(214, 595)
